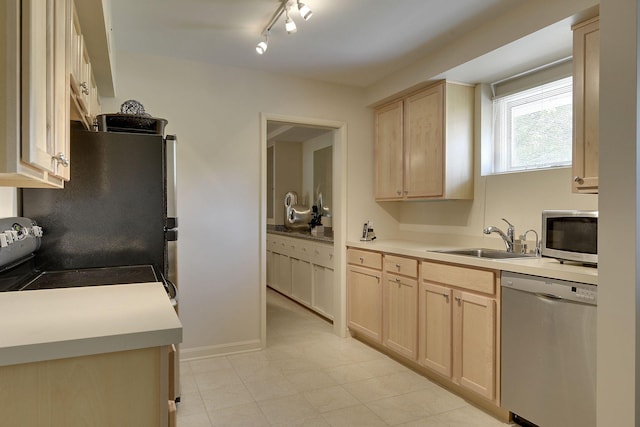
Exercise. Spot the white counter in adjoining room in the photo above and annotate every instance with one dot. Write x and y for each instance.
(544, 267)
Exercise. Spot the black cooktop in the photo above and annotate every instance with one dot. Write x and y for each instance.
(25, 279)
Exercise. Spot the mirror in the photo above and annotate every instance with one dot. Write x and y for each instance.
(323, 179)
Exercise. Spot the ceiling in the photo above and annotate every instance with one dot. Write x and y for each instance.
(352, 42)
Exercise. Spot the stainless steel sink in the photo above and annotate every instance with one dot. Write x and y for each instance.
(485, 253)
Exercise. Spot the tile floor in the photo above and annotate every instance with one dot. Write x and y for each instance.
(307, 376)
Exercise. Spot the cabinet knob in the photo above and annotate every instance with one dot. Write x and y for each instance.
(62, 159)
(458, 299)
(398, 266)
(399, 193)
(578, 180)
(361, 260)
(84, 88)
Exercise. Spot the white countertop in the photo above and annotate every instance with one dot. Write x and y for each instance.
(545, 267)
(52, 324)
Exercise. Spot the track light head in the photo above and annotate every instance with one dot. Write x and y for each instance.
(261, 47)
(289, 25)
(304, 10)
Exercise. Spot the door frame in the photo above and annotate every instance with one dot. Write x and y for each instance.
(338, 220)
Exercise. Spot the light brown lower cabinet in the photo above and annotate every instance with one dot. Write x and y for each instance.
(126, 388)
(457, 326)
(434, 328)
(400, 305)
(474, 343)
(445, 319)
(364, 301)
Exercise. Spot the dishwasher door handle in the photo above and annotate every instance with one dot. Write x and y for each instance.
(549, 296)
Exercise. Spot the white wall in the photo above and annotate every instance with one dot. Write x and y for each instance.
(8, 203)
(618, 355)
(215, 111)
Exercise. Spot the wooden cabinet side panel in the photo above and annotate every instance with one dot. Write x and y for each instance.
(434, 328)
(364, 302)
(475, 343)
(388, 151)
(586, 97)
(400, 315)
(424, 143)
(114, 389)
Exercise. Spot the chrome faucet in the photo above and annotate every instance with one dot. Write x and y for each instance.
(508, 238)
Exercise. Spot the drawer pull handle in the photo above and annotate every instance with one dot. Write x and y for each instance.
(398, 266)
(361, 260)
(578, 180)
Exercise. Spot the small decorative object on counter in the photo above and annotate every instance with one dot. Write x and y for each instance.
(317, 229)
(367, 232)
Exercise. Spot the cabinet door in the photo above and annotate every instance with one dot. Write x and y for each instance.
(400, 311)
(269, 262)
(282, 273)
(37, 74)
(388, 152)
(323, 290)
(434, 328)
(424, 143)
(474, 340)
(586, 112)
(364, 302)
(301, 276)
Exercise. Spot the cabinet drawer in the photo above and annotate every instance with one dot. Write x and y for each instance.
(364, 258)
(399, 265)
(301, 249)
(461, 277)
(322, 255)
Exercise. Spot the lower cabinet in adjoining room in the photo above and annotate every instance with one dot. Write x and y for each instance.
(302, 270)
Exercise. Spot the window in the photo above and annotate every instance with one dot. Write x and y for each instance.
(532, 128)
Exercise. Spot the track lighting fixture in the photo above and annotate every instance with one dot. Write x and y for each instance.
(290, 26)
(262, 46)
(304, 10)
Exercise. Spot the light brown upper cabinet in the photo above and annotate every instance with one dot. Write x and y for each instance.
(424, 145)
(34, 89)
(586, 97)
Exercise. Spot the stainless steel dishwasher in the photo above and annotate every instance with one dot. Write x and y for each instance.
(549, 350)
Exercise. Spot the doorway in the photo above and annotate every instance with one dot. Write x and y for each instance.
(324, 133)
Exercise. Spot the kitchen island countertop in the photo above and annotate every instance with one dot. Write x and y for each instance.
(53, 324)
(544, 267)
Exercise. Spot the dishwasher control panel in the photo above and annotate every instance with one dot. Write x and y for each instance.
(584, 293)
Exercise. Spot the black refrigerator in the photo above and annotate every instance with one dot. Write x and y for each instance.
(118, 209)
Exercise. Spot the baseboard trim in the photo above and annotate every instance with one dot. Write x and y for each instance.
(195, 353)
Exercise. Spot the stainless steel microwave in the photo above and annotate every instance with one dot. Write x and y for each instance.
(570, 235)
